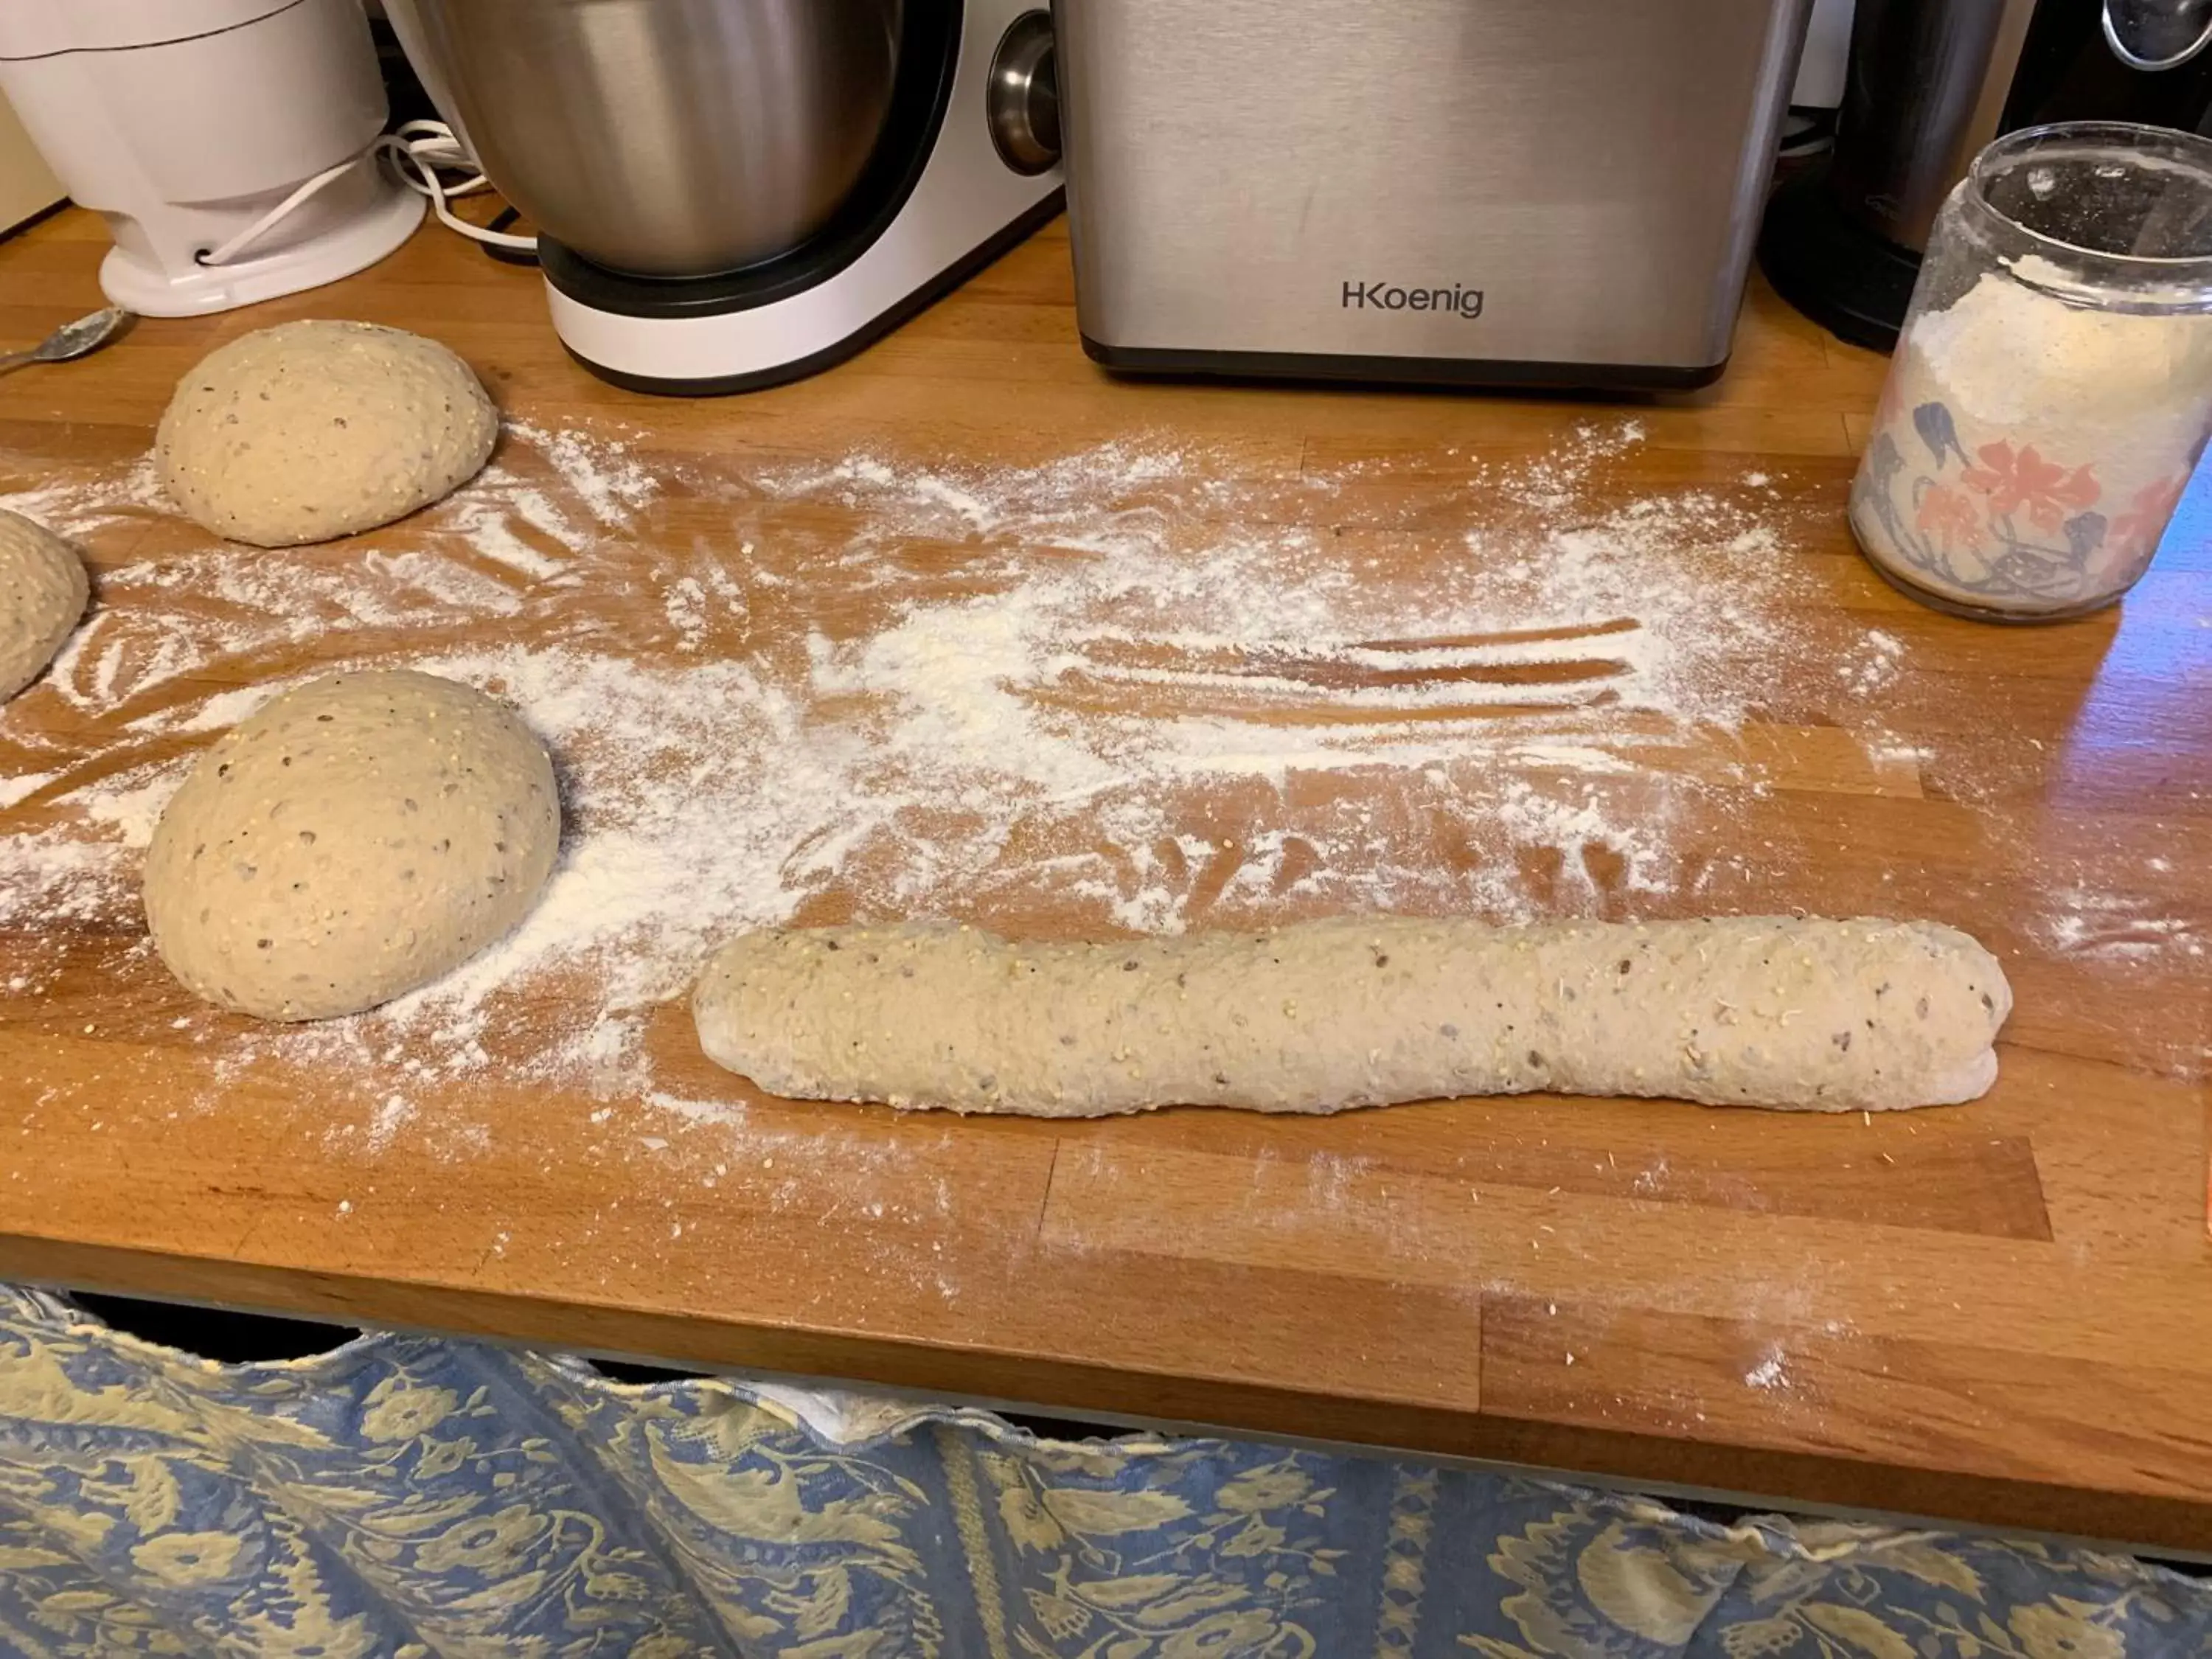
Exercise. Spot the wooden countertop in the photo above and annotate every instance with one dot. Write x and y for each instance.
(2000, 1313)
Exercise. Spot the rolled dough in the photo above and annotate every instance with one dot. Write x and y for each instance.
(1751, 1011)
(353, 840)
(43, 592)
(314, 429)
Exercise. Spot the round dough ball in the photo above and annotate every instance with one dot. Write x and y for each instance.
(353, 840)
(310, 430)
(43, 592)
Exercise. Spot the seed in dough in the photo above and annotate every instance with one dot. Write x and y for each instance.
(310, 430)
(352, 840)
(1363, 1011)
(43, 592)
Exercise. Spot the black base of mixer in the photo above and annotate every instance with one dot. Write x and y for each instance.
(1854, 284)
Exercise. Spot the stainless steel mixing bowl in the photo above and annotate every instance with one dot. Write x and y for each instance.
(667, 138)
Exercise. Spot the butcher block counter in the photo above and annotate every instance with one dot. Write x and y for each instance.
(966, 629)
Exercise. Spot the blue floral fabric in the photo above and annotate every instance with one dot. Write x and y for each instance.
(409, 1496)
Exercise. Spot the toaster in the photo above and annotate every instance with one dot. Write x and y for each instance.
(1503, 192)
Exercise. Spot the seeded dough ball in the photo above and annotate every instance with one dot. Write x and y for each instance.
(42, 594)
(310, 430)
(353, 840)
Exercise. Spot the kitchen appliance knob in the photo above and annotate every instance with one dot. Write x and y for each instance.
(2155, 35)
(1023, 99)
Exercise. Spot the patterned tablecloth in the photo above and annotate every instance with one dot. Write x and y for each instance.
(406, 1495)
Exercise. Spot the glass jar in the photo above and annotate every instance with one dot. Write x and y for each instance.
(2052, 386)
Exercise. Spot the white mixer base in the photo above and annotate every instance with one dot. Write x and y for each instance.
(354, 246)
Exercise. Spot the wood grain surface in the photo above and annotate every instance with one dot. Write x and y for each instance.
(2000, 1313)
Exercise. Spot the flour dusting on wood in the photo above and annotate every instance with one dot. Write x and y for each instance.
(1132, 686)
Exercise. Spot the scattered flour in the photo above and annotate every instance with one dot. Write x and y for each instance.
(15, 789)
(2116, 927)
(1873, 665)
(1770, 1373)
(1127, 688)
(598, 470)
(83, 497)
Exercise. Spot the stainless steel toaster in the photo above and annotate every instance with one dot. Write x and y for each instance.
(1534, 193)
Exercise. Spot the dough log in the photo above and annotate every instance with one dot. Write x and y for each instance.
(1750, 1011)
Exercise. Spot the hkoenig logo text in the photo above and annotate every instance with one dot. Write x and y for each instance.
(1387, 296)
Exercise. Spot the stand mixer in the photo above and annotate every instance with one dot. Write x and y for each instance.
(734, 193)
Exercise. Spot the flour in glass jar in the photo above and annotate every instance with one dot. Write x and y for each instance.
(2031, 446)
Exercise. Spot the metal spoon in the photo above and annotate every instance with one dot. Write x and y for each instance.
(72, 339)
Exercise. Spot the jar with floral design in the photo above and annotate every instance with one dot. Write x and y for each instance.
(2052, 387)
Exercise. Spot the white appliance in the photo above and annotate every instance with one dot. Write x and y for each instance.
(228, 144)
(1827, 45)
(730, 194)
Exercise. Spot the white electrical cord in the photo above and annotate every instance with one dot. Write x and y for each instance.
(283, 210)
(418, 149)
(421, 148)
